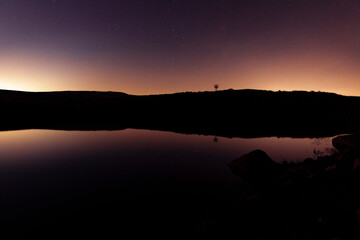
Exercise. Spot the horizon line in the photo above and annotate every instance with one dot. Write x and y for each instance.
(170, 93)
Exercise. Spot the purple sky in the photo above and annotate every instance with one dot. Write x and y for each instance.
(161, 46)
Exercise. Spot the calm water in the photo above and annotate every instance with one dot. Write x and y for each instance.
(59, 179)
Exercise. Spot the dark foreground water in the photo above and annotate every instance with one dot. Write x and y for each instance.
(135, 183)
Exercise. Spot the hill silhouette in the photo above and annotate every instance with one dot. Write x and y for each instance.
(230, 113)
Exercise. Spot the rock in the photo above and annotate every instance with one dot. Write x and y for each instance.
(356, 164)
(347, 143)
(255, 166)
(330, 168)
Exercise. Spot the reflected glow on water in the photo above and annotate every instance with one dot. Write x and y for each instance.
(34, 145)
(184, 180)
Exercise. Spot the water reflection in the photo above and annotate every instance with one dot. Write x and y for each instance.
(28, 145)
(116, 181)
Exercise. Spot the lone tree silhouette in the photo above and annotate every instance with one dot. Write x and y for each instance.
(216, 86)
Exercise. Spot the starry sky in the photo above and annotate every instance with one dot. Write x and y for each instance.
(165, 46)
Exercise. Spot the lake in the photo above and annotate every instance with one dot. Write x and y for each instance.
(110, 182)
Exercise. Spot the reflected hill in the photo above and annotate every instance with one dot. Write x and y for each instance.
(229, 113)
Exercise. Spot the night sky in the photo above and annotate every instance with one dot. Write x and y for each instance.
(165, 46)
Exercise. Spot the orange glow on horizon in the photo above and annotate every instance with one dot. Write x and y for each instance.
(36, 72)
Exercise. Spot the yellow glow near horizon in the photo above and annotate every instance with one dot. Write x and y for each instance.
(35, 72)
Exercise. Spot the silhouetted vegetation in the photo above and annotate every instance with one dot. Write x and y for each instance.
(240, 113)
(316, 199)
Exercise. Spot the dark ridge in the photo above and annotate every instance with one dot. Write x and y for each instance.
(229, 113)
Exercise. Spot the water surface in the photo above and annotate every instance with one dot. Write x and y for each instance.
(119, 179)
(33, 145)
